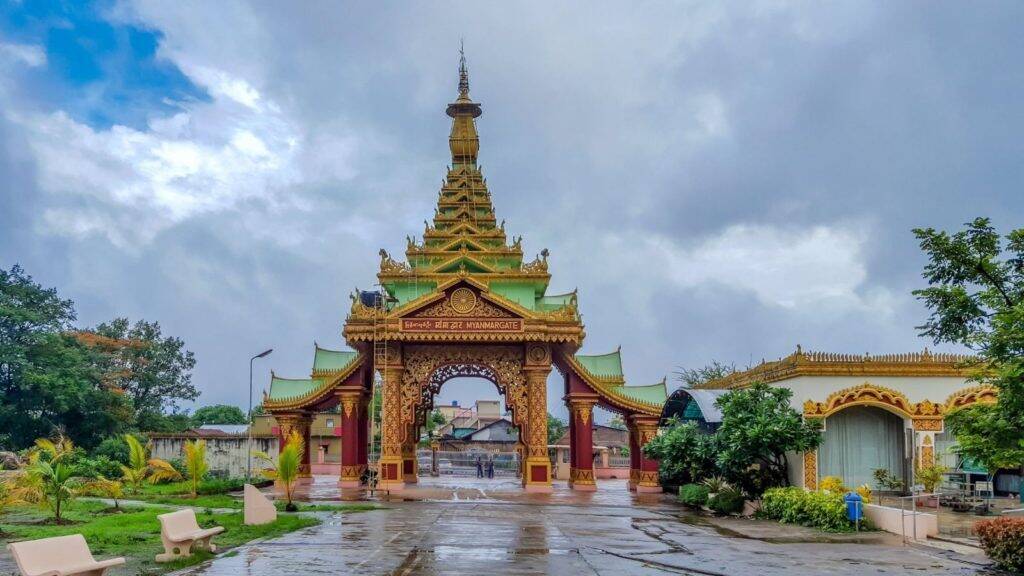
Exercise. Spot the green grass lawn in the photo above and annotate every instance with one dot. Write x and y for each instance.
(179, 494)
(135, 533)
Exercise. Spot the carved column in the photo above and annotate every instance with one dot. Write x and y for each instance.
(811, 470)
(390, 471)
(363, 428)
(634, 455)
(646, 473)
(351, 403)
(581, 431)
(410, 466)
(538, 464)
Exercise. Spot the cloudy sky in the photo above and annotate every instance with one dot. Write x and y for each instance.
(719, 180)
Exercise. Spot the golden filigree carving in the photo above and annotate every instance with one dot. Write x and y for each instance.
(811, 470)
(462, 300)
(928, 424)
(871, 395)
(983, 394)
(446, 309)
(505, 363)
(389, 265)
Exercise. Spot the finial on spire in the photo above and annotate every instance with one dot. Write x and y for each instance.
(463, 73)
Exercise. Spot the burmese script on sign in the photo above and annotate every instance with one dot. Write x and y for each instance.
(462, 324)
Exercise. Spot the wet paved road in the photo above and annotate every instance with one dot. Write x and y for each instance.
(495, 529)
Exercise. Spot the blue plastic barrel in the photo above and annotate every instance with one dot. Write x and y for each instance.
(854, 506)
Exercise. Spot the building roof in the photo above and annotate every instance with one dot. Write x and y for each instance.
(500, 421)
(325, 360)
(226, 428)
(603, 365)
(802, 363)
(288, 388)
(602, 436)
(679, 403)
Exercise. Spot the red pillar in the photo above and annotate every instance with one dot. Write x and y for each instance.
(581, 419)
(644, 475)
(364, 434)
(350, 401)
(634, 457)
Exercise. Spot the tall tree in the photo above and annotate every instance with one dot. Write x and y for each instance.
(976, 298)
(218, 414)
(49, 378)
(154, 371)
(556, 428)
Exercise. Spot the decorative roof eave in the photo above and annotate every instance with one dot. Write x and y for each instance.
(317, 394)
(461, 258)
(608, 393)
(441, 276)
(802, 363)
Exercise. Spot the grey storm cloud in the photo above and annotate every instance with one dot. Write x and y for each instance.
(719, 180)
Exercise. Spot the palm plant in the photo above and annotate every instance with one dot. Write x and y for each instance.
(54, 451)
(54, 484)
(108, 488)
(195, 463)
(140, 466)
(286, 472)
(11, 494)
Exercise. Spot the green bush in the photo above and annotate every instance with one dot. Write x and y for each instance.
(792, 505)
(728, 501)
(693, 495)
(1003, 541)
(220, 486)
(114, 448)
(95, 467)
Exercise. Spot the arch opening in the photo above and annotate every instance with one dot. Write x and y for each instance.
(861, 439)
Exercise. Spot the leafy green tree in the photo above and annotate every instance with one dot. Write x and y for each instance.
(692, 377)
(976, 298)
(49, 380)
(758, 428)
(556, 428)
(153, 370)
(685, 453)
(218, 414)
(617, 422)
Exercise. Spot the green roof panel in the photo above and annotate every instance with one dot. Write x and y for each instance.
(333, 360)
(285, 388)
(602, 364)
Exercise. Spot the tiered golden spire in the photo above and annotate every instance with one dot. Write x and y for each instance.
(464, 141)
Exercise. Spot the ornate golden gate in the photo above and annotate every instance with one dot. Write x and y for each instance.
(464, 303)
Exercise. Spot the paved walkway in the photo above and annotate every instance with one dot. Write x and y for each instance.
(456, 526)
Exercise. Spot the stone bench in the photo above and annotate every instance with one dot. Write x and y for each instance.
(59, 556)
(180, 532)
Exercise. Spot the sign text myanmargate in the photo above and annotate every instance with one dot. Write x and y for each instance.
(462, 324)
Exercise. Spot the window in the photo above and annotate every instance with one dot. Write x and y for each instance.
(330, 422)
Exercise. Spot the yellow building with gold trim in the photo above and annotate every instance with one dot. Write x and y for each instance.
(884, 411)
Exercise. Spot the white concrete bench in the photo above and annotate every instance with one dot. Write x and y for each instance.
(180, 532)
(59, 556)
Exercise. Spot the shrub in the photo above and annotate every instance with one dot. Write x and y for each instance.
(823, 510)
(220, 486)
(1003, 541)
(865, 493)
(114, 448)
(833, 484)
(96, 467)
(929, 476)
(693, 495)
(728, 501)
(716, 484)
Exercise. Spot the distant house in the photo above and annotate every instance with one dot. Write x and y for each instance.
(611, 448)
(498, 436)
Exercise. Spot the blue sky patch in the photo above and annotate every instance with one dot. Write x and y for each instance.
(101, 72)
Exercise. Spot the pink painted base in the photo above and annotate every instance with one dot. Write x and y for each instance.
(304, 480)
(539, 488)
(411, 479)
(349, 484)
(584, 487)
(391, 486)
(648, 489)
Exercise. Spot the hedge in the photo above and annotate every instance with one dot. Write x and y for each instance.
(693, 495)
(1003, 541)
(793, 505)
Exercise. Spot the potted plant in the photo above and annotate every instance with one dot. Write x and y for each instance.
(930, 477)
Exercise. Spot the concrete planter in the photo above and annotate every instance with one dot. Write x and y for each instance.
(888, 519)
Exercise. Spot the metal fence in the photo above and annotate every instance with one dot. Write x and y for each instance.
(464, 463)
(618, 461)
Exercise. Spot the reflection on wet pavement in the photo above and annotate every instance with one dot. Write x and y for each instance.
(439, 529)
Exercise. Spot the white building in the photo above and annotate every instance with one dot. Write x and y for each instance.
(877, 411)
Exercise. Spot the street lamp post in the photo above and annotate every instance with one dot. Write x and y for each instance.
(248, 443)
